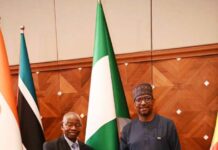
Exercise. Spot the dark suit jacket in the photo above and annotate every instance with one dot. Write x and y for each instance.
(61, 144)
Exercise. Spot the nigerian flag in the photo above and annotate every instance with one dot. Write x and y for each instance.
(107, 110)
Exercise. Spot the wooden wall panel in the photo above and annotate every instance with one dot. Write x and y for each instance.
(182, 88)
(179, 84)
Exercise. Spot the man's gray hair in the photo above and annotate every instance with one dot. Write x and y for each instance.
(71, 115)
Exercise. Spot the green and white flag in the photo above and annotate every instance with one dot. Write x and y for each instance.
(107, 109)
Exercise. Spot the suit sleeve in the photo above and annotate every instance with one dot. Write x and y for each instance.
(124, 139)
(84, 146)
(49, 145)
(173, 137)
(45, 145)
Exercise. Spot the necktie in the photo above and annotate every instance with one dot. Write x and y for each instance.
(74, 146)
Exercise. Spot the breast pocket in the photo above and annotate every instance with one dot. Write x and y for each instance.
(160, 143)
(149, 142)
(154, 143)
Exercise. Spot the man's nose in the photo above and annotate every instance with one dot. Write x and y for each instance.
(143, 101)
(73, 127)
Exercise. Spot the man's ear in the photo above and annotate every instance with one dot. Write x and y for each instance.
(62, 127)
(134, 104)
(153, 101)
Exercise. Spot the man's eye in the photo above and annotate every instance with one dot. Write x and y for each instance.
(75, 125)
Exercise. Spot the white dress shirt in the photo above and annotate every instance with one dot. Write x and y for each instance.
(73, 145)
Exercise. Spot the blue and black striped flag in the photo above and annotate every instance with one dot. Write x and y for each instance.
(28, 109)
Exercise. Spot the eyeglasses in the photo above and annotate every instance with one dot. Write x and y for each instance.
(70, 125)
(146, 99)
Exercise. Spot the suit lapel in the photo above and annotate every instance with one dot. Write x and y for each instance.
(81, 145)
(63, 144)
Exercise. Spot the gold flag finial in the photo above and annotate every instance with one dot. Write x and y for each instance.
(22, 29)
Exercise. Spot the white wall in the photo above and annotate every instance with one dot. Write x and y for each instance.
(38, 17)
(176, 23)
(180, 23)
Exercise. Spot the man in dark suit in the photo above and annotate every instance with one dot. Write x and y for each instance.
(71, 127)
